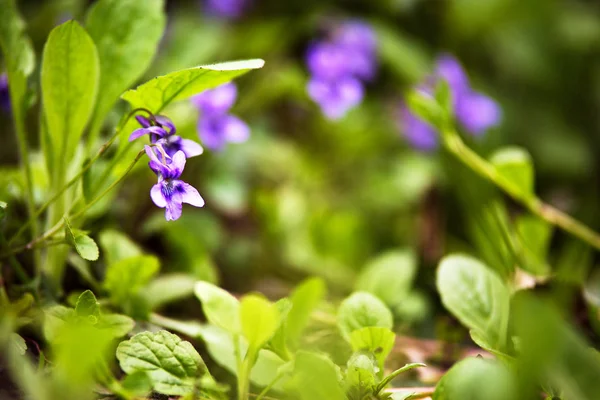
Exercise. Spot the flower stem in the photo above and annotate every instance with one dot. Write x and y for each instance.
(536, 206)
(60, 224)
(76, 178)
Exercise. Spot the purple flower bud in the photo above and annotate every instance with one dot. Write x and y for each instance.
(419, 133)
(170, 193)
(216, 101)
(356, 34)
(477, 113)
(328, 61)
(337, 97)
(228, 9)
(4, 93)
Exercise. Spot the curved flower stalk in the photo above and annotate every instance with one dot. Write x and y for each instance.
(339, 65)
(474, 111)
(216, 126)
(167, 160)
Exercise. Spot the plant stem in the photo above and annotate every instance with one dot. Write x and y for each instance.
(76, 178)
(19, 270)
(26, 165)
(60, 224)
(536, 206)
(264, 392)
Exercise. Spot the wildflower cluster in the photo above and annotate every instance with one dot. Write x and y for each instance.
(4, 93)
(216, 125)
(474, 111)
(339, 65)
(168, 155)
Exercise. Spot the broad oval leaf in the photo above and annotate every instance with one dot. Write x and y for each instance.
(157, 93)
(259, 319)
(126, 33)
(220, 307)
(477, 378)
(117, 246)
(389, 276)
(69, 80)
(316, 377)
(476, 296)
(362, 310)
(171, 363)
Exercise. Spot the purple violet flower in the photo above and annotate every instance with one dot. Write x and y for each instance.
(162, 131)
(170, 193)
(338, 66)
(336, 97)
(227, 9)
(216, 126)
(4, 93)
(474, 111)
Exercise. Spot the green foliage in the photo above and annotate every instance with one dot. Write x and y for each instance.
(515, 165)
(82, 243)
(259, 320)
(126, 33)
(389, 276)
(172, 364)
(361, 310)
(316, 377)
(477, 297)
(156, 94)
(69, 80)
(374, 339)
(305, 298)
(477, 378)
(125, 278)
(221, 308)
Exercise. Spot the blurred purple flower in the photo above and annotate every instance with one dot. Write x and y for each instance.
(4, 93)
(338, 65)
(170, 193)
(475, 111)
(162, 131)
(227, 9)
(216, 126)
(336, 97)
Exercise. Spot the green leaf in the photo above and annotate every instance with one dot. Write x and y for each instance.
(117, 246)
(514, 163)
(305, 298)
(389, 276)
(171, 363)
(535, 234)
(167, 288)
(377, 340)
(82, 243)
(126, 277)
(138, 383)
(18, 343)
(118, 325)
(360, 310)
(477, 378)
(316, 377)
(361, 373)
(220, 307)
(54, 318)
(220, 346)
(19, 57)
(385, 381)
(476, 296)
(69, 79)
(3, 206)
(259, 319)
(126, 33)
(552, 351)
(156, 94)
(88, 306)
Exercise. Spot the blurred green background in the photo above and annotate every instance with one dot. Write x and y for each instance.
(306, 196)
